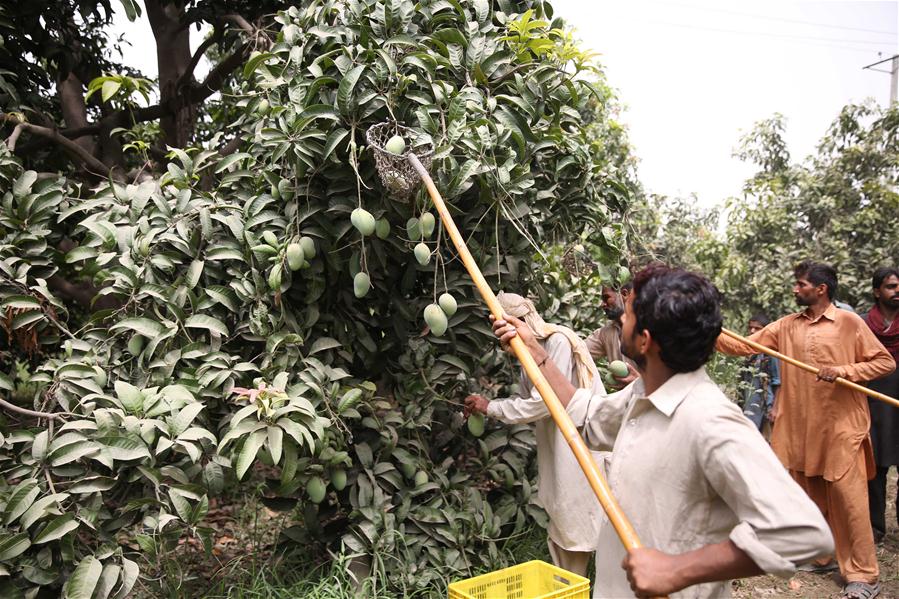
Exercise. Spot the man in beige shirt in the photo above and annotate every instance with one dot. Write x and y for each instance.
(605, 342)
(706, 495)
(573, 510)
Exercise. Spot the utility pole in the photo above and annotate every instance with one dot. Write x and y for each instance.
(894, 75)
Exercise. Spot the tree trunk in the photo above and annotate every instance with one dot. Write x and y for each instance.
(173, 57)
(74, 110)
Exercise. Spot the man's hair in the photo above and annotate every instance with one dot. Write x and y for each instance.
(629, 286)
(881, 274)
(818, 273)
(682, 312)
(760, 318)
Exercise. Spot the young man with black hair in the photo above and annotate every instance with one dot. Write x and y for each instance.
(883, 320)
(703, 490)
(821, 429)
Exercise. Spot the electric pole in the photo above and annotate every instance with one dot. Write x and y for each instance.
(894, 75)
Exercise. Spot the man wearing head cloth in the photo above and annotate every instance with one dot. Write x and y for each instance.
(574, 513)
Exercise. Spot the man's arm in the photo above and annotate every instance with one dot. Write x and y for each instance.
(531, 407)
(873, 361)
(510, 327)
(767, 337)
(595, 345)
(652, 573)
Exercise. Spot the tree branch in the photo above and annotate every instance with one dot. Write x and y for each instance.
(91, 164)
(12, 139)
(26, 412)
(195, 59)
(240, 22)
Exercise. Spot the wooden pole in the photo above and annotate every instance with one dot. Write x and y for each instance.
(622, 525)
(840, 380)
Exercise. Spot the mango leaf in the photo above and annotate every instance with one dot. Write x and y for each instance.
(201, 321)
(56, 529)
(345, 89)
(84, 579)
(13, 545)
(248, 453)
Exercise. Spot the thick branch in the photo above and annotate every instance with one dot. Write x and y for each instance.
(12, 139)
(240, 22)
(195, 59)
(26, 412)
(91, 163)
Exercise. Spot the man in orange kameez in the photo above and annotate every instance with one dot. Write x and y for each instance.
(821, 429)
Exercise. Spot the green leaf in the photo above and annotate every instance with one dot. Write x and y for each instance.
(130, 572)
(6, 382)
(181, 505)
(132, 9)
(146, 327)
(322, 344)
(56, 529)
(227, 161)
(21, 499)
(275, 439)
(131, 397)
(185, 417)
(25, 302)
(193, 274)
(334, 139)
(248, 453)
(72, 452)
(345, 100)
(108, 580)
(26, 318)
(254, 63)
(84, 579)
(23, 183)
(201, 321)
(39, 509)
(13, 545)
(109, 89)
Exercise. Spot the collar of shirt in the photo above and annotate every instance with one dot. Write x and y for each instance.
(669, 396)
(830, 313)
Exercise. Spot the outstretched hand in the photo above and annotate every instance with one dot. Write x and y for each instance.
(475, 404)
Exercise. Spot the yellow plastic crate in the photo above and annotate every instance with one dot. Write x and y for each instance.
(531, 580)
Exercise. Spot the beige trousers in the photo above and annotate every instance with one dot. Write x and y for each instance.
(573, 561)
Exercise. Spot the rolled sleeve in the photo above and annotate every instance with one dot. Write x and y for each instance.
(744, 537)
(778, 526)
(599, 416)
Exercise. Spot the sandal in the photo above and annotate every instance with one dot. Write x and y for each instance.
(860, 590)
(815, 568)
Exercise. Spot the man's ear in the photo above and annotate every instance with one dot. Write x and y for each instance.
(644, 341)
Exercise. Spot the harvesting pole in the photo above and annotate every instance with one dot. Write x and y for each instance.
(839, 380)
(622, 525)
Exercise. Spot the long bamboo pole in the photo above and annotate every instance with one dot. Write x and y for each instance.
(622, 525)
(840, 380)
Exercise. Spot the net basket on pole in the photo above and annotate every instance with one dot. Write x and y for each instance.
(396, 173)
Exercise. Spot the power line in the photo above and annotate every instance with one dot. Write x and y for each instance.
(782, 19)
(786, 37)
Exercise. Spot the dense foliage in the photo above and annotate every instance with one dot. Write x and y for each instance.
(211, 350)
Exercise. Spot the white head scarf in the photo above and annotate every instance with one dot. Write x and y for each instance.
(523, 308)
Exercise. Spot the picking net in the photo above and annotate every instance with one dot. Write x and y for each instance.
(396, 173)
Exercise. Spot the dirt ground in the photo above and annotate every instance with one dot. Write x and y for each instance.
(820, 586)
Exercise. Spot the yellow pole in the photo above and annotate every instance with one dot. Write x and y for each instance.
(840, 380)
(623, 527)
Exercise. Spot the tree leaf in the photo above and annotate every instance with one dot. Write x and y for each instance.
(109, 89)
(275, 438)
(131, 397)
(21, 499)
(84, 579)
(13, 545)
(146, 327)
(345, 98)
(56, 529)
(201, 321)
(248, 453)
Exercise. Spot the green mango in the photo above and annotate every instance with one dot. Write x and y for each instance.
(382, 228)
(363, 221)
(427, 222)
(618, 369)
(476, 424)
(361, 284)
(447, 304)
(308, 246)
(395, 145)
(295, 256)
(316, 489)
(436, 319)
(413, 229)
(338, 479)
(421, 478)
(422, 253)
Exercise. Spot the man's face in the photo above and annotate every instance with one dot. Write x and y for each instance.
(887, 295)
(611, 303)
(806, 293)
(629, 335)
(755, 326)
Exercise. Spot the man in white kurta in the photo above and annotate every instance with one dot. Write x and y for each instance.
(574, 512)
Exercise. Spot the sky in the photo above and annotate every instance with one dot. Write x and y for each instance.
(694, 76)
